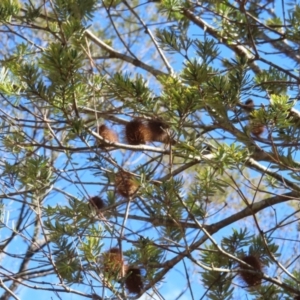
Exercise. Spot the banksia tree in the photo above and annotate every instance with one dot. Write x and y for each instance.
(164, 81)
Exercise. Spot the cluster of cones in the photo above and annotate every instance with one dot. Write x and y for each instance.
(139, 131)
(136, 132)
(126, 186)
(113, 265)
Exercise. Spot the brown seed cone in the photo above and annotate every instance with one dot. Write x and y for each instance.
(125, 184)
(251, 279)
(96, 202)
(133, 281)
(159, 133)
(113, 262)
(107, 134)
(136, 132)
(249, 105)
(257, 130)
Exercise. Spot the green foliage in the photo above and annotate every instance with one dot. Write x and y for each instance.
(196, 201)
(217, 283)
(196, 73)
(61, 63)
(268, 291)
(179, 98)
(62, 227)
(276, 117)
(221, 285)
(227, 157)
(164, 203)
(8, 9)
(36, 173)
(294, 20)
(112, 3)
(265, 248)
(274, 21)
(67, 261)
(32, 12)
(6, 84)
(266, 79)
(122, 87)
(73, 30)
(92, 245)
(145, 254)
(237, 241)
(291, 282)
(211, 257)
(77, 212)
(172, 9)
(173, 42)
(208, 50)
(75, 9)
(12, 142)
